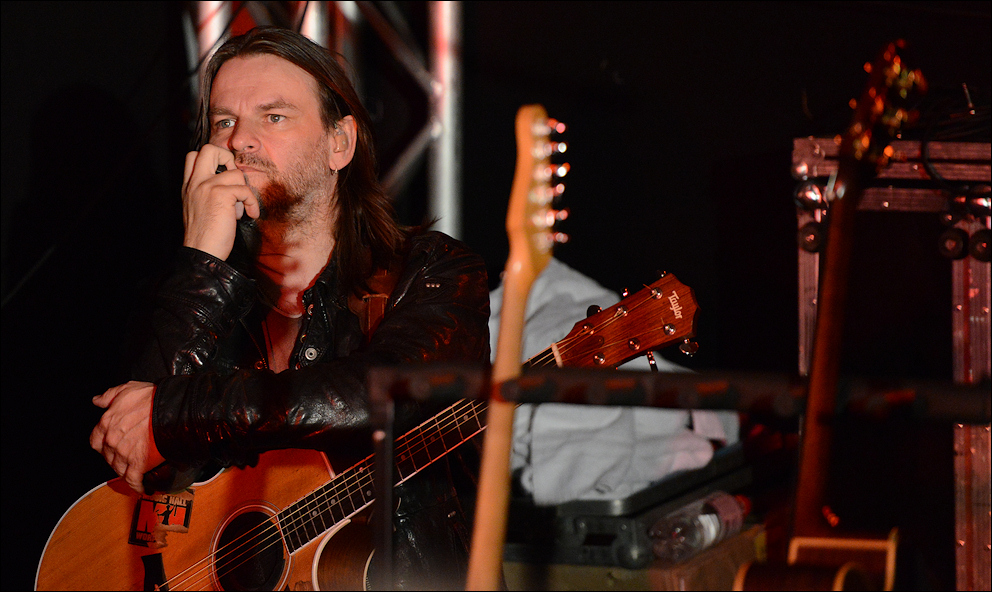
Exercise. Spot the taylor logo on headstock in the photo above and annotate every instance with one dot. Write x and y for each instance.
(673, 298)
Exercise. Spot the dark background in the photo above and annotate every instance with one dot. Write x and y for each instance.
(681, 118)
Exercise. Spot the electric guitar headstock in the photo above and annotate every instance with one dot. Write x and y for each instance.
(879, 116)
(531, 216)
(530, 226)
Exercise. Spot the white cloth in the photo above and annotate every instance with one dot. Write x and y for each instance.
(570, 452)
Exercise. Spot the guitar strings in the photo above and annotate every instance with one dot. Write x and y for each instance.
(292, 522)
(359, 474)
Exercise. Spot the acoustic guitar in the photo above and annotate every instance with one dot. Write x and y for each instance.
(821, 555)
(284, 518)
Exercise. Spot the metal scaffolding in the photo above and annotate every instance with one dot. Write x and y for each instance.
(335, 25)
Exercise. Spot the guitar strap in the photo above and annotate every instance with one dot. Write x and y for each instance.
(371, 306)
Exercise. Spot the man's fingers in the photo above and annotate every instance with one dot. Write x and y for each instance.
(107, 397)
(203, 165)
(245, 203)
(96, 437)
(251, 206)
(224, 157)
(188, 168)
(215, 158)
(135, 479)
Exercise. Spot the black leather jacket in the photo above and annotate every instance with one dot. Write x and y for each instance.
(217, 402)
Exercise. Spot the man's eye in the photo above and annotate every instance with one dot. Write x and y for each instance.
(275, 118)
(224, 123)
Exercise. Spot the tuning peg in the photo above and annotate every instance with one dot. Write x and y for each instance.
(550, 192)
(547, 194)
(548, 149)
(624, 293)
(559, 170)
(554, 216)
(556, 126)
(593, 309)
(651, 362)
(547, 127)
(552, 170)
(560, 238)
(689, 347)
(549, 218)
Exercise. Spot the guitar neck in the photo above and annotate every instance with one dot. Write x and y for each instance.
(353, 490)
(654, 317)
(814, 454)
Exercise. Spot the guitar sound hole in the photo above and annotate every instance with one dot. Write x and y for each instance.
(249, 554)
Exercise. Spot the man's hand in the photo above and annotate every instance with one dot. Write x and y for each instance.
(214, 202)
(124, 434)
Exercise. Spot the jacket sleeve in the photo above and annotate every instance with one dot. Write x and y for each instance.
(439, 313)
(195, 304)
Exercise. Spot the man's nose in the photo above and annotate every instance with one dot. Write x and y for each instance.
(243, 138)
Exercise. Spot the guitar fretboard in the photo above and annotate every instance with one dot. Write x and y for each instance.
(353, 490)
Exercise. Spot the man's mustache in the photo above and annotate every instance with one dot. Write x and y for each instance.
(253, 161)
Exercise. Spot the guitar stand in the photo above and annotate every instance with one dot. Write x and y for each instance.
(383, 413)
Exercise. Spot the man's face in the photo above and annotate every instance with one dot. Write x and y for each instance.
(265, 110)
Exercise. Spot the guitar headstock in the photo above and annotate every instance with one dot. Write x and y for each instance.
(531, 216)
(652, 318)
(879, 115)
(530, 221)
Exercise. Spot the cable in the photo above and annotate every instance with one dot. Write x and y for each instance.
(950, 122)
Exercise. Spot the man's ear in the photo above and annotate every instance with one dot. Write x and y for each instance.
(344, 135)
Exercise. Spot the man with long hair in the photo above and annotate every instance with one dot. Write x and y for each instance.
(261, 333)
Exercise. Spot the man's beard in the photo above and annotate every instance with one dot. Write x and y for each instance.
(276, 202)
(288, 197)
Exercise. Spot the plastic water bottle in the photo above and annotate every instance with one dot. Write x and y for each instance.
(698, 526)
